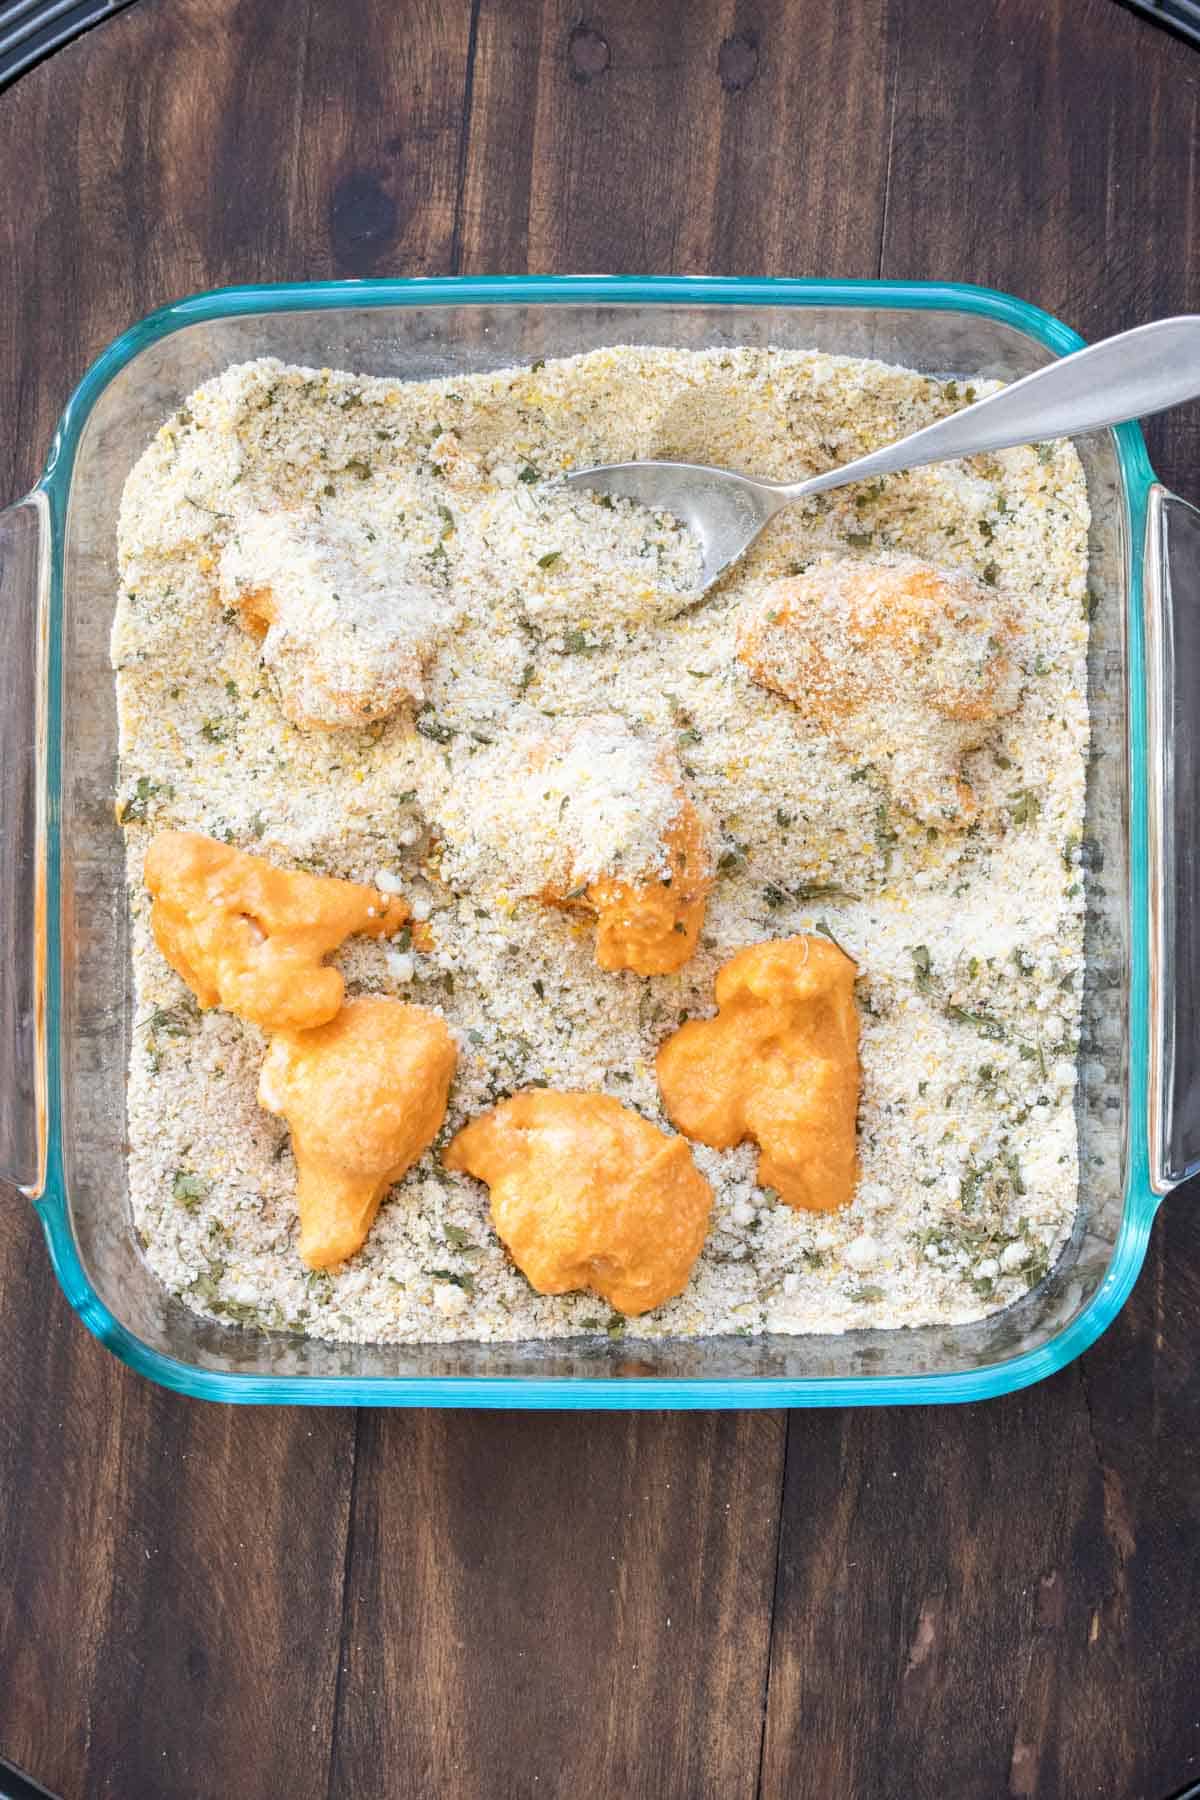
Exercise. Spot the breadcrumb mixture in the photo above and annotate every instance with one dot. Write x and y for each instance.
(527, 606)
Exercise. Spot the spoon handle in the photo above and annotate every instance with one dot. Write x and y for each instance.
(1125, 377)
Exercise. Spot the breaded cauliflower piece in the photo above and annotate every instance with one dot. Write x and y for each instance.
(346, 631)
(364, 1096)
(251, 938)
(594, 817)
(778, 1064)
(587, 1194)
(651, 925)
(905, 665)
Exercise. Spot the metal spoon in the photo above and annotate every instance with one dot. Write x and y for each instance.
(1124, 377)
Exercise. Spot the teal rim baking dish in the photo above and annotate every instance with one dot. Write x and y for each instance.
(65, 1012)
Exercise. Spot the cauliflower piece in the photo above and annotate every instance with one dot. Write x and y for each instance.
(779, 1064)
(651, 926)
(586, 1194)
(345, 630)
(903, 664)
(364, 1096)
(592, 817)
(249, 937)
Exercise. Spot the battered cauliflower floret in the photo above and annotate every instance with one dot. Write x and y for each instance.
(586, 1194)
(364, 1096)
(591, 817)
(346, 630)
(778, 1064)
(651, 925)
(252, 938)
(904, 665)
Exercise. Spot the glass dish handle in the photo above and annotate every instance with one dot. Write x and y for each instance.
(24, 580)
(1172, 621)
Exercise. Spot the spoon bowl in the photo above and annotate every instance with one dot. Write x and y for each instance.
(724, 511)
(1124, 377)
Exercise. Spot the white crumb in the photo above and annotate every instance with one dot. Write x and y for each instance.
(543, 606)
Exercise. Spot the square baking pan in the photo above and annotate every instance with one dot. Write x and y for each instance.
(65, 982)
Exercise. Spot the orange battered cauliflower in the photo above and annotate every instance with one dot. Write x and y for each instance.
(364, 1095)
(252, 938)
(650, 925)
(587, 1194)
(778, 1064)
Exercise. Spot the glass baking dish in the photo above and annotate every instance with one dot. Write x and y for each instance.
(65, 1011)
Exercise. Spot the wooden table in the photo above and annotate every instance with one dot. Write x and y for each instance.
(206, 1601)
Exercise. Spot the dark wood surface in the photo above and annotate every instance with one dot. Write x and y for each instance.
(973, 1602)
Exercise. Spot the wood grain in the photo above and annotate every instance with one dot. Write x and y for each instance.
(562, 1605)
(165, 1568)
(171, 1575)
(1021, 1638)
(676, 137)
(984, 1601)
(999, 1599)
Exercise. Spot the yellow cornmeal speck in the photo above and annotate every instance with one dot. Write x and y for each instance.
(970, 943)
